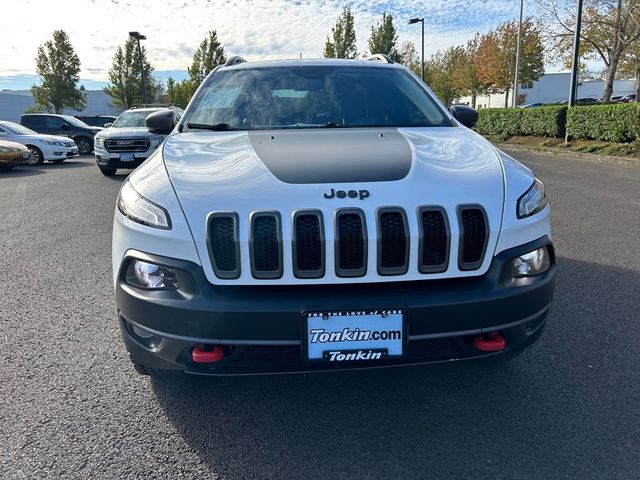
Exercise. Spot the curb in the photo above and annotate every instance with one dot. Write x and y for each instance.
(628, 161)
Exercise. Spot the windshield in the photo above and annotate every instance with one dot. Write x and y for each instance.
(16, 129)
(312, 97)
(74, 121)
(132, 119)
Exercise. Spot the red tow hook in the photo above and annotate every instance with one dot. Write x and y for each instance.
(489, 342)
(207, 353)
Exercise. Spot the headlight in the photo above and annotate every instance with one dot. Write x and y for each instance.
(155, 141)
(54, 142)
(149, 275)
(532, 263)
(98, 142)
(134, 206)
(533, 201)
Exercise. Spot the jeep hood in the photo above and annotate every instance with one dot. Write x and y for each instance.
(288, 170)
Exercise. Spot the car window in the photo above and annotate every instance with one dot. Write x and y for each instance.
(54, 123)
(132, 119)
(16, 129)
(36, 122)
(314, 96)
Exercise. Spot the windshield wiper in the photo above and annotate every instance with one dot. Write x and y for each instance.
(333, 125)
(218, 127)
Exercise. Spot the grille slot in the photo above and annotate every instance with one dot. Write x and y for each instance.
(393, 242)
(434, 241)
(473, 237)
(223, 245)
(116, 145)
(265, 245)
(351, 243)
(308, 244)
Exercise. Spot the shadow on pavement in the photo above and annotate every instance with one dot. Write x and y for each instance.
(556, 409)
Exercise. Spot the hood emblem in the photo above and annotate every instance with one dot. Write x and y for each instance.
(333, 193)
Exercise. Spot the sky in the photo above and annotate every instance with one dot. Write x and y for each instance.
(253, 29)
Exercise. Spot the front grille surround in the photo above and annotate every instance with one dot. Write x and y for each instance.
(302, 248)
(475, 240)
(113, 145)
(223, 246)
(265, 251)
(350, 214)
(384, 239)
(438, 215)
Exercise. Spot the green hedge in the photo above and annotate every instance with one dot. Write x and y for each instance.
(499, 121)
(610, 123)
(549, 121)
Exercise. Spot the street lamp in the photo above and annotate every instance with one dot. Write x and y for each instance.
(514, 100)
(411, 22)
(138, 36)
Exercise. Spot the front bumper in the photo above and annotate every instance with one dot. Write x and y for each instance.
(261, 327)
(59, 153)
(8, 161)
(115, 160)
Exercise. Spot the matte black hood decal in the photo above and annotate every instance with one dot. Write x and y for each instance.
(333, 156)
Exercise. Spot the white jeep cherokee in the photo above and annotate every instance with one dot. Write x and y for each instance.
(322, 215)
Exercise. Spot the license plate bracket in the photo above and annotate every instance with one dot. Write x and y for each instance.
(353, 336)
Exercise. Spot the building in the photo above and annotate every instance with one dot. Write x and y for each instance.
(13, 104)
(551, 88)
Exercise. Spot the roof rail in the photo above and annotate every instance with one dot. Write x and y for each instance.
(235, 60)
(379, 57)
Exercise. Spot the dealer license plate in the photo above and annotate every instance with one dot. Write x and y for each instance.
(354, 335)
(26, 155)
(126, 157)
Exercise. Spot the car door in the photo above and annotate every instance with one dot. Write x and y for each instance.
(57, 126)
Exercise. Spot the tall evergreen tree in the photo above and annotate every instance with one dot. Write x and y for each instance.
(207, 56)
(124, 76)
(342, 41)
(384, 38)
(59, 69)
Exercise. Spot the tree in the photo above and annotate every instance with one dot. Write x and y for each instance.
(630, 65)
(465, 72)
(409, 57)
(441, 71)
(59, 69)
(124, 76)
(178, 94)
(609, 28)
(496, 56)
(207, 56)
(344, 38)
(384, 38)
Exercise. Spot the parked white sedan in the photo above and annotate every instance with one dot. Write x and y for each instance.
(41, 147)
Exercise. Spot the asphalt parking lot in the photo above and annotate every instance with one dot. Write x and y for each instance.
(71, 405)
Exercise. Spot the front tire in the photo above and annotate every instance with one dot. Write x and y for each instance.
(108, 171)
(85, 145)
(35, 156)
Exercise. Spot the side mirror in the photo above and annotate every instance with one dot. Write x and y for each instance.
(466, 115)
(107, 125)
(161, 122)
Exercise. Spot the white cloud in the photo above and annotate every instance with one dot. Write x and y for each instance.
(255, 29)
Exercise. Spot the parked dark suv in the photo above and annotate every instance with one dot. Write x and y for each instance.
(64, 125)
(96, 120)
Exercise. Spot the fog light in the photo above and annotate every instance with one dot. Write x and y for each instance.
(149, 275)
(532, 263)
(143, 337)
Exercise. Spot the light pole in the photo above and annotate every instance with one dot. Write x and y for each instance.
(514, 100)
(576, 58)
(411, 22)
(138, 36)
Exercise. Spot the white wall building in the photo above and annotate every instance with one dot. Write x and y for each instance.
(13, 104)
(554, 87)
